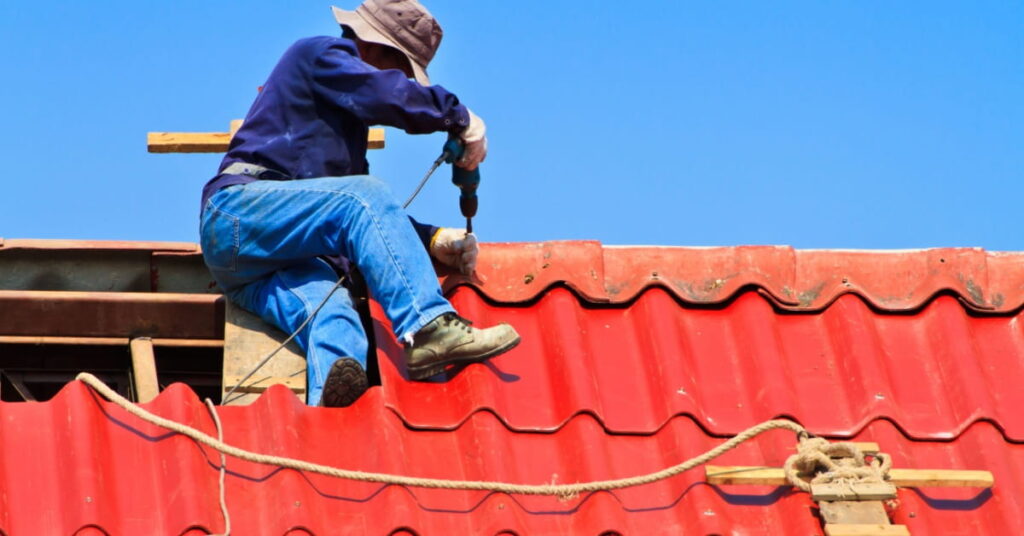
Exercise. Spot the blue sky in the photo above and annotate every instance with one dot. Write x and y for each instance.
(815, 124)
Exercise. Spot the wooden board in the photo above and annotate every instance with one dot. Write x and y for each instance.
(188, 142)
(874, 491)
(902, 478)
(866, 530)
(247, 340)
(217, 142)
(144, 369)
(260, 382)
(853, 512)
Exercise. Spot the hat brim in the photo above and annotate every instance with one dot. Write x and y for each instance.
(367, 32)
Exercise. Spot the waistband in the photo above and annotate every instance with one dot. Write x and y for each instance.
(255, 171)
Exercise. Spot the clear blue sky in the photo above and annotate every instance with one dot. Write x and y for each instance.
(862, 124)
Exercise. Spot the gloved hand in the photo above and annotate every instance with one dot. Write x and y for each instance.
(453, 247)
(475, 139)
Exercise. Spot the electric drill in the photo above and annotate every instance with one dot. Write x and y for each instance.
(466, 180)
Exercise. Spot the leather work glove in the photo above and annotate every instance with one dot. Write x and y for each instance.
(455, 248)
(475, 139)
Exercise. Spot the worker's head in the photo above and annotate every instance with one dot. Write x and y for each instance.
(383, 28)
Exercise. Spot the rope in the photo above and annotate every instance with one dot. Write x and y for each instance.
(223, 471)
(815, 456)
(563, 491)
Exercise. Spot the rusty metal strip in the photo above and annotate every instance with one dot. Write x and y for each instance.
(111, 314)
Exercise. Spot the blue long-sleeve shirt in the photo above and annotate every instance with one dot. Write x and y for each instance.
(312, 116)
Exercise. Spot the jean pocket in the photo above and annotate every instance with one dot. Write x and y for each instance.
(219, 237)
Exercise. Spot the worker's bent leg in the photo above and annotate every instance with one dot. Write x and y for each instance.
(250, 231)
(287, 297)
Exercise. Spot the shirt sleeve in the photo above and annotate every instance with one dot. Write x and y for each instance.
(425, 231)
(386, 97)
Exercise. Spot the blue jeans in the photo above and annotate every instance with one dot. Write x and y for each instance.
(261, 241)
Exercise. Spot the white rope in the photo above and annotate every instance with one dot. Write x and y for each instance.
(563, 491)
(223, 471)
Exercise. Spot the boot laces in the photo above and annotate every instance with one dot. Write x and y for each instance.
(462, 323)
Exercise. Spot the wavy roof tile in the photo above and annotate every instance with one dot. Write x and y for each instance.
(633, 359)
(797, 280)
(90, 465)
(635, 366)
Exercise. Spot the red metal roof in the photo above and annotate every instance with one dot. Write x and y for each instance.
(798, 280)
(620, 372)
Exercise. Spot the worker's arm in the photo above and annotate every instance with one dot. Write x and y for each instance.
(386, 97)
(425, 231)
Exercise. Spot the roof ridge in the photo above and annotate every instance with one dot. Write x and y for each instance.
(797, 280)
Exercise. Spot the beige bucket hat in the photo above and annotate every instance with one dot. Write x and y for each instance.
(402, 24)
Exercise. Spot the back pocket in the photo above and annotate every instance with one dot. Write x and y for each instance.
(219, 238)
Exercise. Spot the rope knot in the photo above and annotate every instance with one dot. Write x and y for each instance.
(841, 463)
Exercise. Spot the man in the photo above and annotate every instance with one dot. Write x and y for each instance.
(292, 193)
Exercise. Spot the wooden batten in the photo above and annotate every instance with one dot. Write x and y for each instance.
(217, 142)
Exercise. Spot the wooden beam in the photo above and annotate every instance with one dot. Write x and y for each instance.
(246, 340)
(866, 530)
(375, 139)
(858, 491)
(188, 142)
(217, 142)
(144, 369)
(902, 478)
(853, 513)
(940, 478)
(258, 384)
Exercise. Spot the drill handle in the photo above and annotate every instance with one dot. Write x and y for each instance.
(453, 150)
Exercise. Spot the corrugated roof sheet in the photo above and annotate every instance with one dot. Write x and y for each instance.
(798, 280)
(619, 373)
(635, 366)
(91, 464)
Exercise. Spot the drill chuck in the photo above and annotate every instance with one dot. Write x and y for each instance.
(468, 203)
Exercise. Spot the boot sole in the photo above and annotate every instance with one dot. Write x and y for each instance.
(345, 383)
(433, 369)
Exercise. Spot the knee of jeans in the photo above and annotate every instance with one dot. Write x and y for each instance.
(374, 190)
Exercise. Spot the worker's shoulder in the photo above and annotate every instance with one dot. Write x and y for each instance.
(320, 43)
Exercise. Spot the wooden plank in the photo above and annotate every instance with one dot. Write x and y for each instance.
(247, 340)
(188, 142)
(144, 369)
(859, 491)
(944, 478)
(901, 478)
(375, 140)
(259, 383)
(217, 142)
(853, 512)
(866, 530)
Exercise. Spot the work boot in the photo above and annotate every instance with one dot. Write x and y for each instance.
(345, 383)
(449, 340)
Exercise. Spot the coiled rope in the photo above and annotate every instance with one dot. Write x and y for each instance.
(840, 463)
